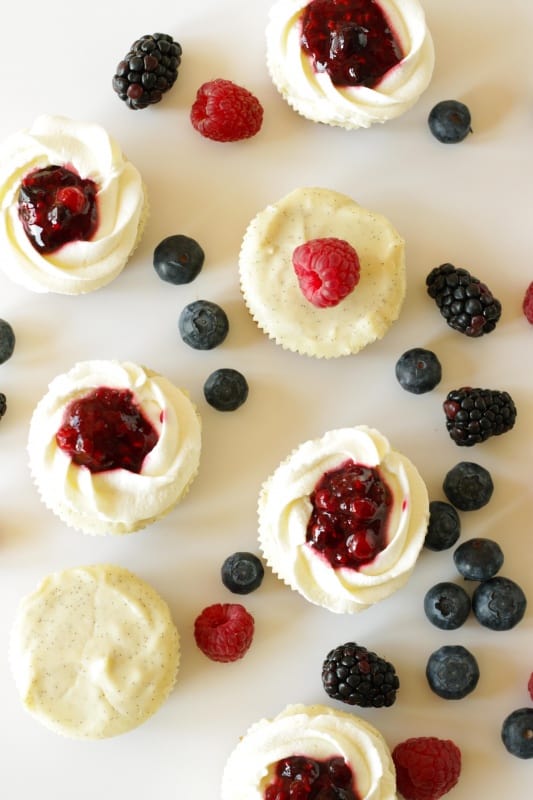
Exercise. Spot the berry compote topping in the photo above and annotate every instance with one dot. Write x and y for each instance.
(56, 206)
(303, 778)
(106, 430)
(351, 507)
(351, 40)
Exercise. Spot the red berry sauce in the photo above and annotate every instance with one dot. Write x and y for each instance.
(349, 521)
(106, 430)
(351, 40)
(56, 206)
(303, 778)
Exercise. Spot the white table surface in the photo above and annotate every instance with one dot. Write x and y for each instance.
(470, 204)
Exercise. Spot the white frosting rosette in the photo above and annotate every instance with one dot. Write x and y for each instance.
(116, 500)
(94, 651)
(78, 266)
(285, 508)
(315, 731)
(314, 95)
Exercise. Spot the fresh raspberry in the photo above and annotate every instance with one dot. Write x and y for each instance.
(426, 767)
(527, 303)
(530, 685)
(224, 631)
(226, 112)
(327, 270)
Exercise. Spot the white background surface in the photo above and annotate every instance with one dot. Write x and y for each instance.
(470, 204)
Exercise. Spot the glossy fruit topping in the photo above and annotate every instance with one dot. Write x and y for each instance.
(426, 767)
(418, 370)
(499, 603)
(355, 675)
(444, 526)
(203, 325)
(106, 429)
(349, 520)
(351, 40)
(226, 389)
(300, 777)
(242, 572)
(148, 70)
(224, 631)
(468, 486)
(56, 206)
(450, 121)
(517, 733)
(226, 112)
(447, 605)
(478, 559)
(452, 672)
(327, 269)
(178, 259)
(7, 341)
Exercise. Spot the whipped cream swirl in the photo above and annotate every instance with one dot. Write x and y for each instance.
(79, 266)
(115, 501)
(285, 508)
(314, 95)
(315, 731)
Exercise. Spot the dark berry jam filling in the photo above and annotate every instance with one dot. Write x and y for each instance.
(303, 778)
(56, 206)
(106, 430)
(351, 510)
(351, 40)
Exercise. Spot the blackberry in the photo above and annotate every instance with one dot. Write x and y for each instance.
(3, 404)
(242, 572)
(418, 370)
(357, 676)
(467, 305)
(517, 733)
(478, 559)
(148, 70)
(226, 389)
(450, 121)
(474, 415)
(452, 672)
(444, 526)
(468, 486)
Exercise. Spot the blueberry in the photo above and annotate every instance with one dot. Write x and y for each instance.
(226, 389)
(452, 672)
(517, 733)
(178, 259)
(468, 486)
(242, 572)
(7, 341)
(418, 370)
(478, 559)
(3, 404)
(447, 605)
(444, 526)
(203, 325)
(499, 603)
(450, 121)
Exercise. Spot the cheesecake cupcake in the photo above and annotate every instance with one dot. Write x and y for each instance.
(349, 63)
(343, 519)
(94, 651)
(113, 446)
(320, 274)
(72, 207)
(339, 752)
